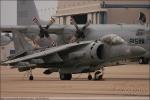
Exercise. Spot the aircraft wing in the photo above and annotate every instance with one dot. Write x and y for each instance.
(10, 28)
(54, 29)
(47, 52)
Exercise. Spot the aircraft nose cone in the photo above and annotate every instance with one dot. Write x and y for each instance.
(137, 51)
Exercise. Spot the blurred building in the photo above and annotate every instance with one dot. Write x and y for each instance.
(46, 8)
(102, 11)
(6, 51)
(9, 50)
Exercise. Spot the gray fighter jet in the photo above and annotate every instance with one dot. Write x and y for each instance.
(71, 58)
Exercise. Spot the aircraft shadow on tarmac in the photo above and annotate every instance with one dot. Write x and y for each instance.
(126, 79)
(85, 79)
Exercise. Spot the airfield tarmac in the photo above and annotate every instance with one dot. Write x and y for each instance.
(122, 80)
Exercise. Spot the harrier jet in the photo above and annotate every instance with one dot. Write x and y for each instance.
(71, 58)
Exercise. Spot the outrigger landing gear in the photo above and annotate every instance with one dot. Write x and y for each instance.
(30, 76)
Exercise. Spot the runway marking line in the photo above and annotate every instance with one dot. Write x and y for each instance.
(76, 98)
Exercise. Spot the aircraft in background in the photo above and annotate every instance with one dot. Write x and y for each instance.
(71, 58)
(55, 34)
(5, 39)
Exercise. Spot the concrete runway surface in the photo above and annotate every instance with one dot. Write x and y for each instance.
(131, 80)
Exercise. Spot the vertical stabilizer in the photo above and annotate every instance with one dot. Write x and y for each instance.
(26, 10)
(20, 43)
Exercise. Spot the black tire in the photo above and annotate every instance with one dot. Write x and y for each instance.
(100, 77)
(143, 60)
(89, 77)
(146, 61)
(31, 78)
(65, 76)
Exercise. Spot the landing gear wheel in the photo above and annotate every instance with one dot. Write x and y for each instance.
(143, 61)
(31, 77)
(89, 77)
(65, 76)
(98, 75)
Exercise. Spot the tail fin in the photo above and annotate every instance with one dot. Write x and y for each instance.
(26, 10)
(20, 43)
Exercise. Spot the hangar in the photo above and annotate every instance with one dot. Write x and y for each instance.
(102, 11)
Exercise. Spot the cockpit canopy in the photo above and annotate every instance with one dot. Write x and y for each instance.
(112, 39)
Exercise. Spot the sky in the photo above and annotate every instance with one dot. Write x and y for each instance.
(8, 10)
